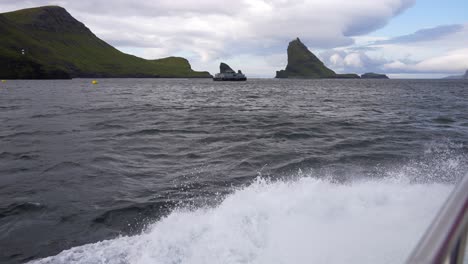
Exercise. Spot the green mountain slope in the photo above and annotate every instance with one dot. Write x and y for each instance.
(304, 64)
(56, 45)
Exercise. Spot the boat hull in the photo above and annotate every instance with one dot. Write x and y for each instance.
(229, 79)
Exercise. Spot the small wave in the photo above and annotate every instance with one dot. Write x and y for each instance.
(13, 107)
(61, 166)
(20, 134)
(443, 120)
(156, 131)
(43, 115)
(152, 131)
(18, 156)
(19, 208)
(292, 135)
(107, 125)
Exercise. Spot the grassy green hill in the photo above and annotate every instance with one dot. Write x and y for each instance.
(56, 45)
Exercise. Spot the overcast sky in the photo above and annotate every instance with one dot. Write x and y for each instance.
(404, 38)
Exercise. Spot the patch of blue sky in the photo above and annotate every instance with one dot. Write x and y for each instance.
(426, 14)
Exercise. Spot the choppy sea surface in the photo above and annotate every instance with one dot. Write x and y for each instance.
(195, 171)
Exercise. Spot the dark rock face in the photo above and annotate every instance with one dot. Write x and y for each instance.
(371, 75)
(23, 68)
(303, 64)
(224, 68)
(466, 75)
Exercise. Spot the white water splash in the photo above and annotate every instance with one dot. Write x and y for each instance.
(302, 221)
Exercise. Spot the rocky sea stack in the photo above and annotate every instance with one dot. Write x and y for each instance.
(303, 64)
(48, 43)
(371, 75)
(224, 68)
(226, 73)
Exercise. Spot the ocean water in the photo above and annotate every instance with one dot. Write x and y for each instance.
(193, 171)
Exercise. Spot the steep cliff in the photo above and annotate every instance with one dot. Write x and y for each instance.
(303, 64)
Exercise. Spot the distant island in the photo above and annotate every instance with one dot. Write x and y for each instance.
(372, 75)
(48, 43)
(458, 77)
(303, 64)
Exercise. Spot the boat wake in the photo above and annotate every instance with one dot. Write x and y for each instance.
(307, 220)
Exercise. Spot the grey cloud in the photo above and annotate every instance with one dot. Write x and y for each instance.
(375, 18)
(364, 48)
(364, 25)
(125, 8)
(428, 34)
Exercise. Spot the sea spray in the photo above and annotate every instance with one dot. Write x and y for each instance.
(308, 220)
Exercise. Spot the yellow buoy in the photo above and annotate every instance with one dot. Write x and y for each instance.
(94, 82)
(3, 81)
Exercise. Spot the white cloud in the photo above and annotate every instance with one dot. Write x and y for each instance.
(337, 60)
(445, 53)
(436, 51)
(353, 60)
(453, 61)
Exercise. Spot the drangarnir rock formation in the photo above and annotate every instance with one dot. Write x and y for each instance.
(303, 64)
(48, 43)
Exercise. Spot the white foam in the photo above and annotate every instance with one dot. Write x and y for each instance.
(302, 221)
